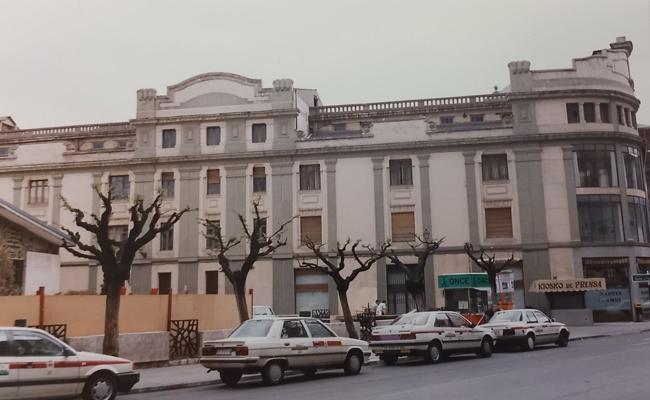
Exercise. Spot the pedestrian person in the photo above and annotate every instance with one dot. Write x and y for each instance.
(373, 307)
(381, 308)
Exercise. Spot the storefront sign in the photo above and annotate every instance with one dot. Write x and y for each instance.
(463, 281)
(641, 278)
(568, 285)
(609, 300)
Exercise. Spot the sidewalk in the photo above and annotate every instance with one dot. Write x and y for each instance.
(184, 376)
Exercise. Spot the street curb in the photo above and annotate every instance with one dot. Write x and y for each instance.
(588, 337)
(213, 382)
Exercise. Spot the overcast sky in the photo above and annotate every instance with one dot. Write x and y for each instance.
(71, 62)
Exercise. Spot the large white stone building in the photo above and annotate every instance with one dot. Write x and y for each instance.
(550, 169)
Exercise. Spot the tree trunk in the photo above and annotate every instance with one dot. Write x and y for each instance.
(492, 277)
(111, 344)
(419, 300)
(347, 314)
(239, 287)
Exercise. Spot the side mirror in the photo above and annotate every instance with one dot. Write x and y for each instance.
(553, 320)
(68, 353)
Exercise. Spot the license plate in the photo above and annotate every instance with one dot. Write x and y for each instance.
(224, 352)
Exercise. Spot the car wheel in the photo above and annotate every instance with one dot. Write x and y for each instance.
(101, 386)
(353, 364)
(230, 378)
(563, 340)
(487, 347)
(273, 373)
(309, 372)
(529, 344)
(434, 353)
(389, 359)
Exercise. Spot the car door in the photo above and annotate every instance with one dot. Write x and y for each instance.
(298, 348)
(448, 336)
(550, 330)
(8, 375)
(467, 339)
(534, 325)
(44, 369)
(328, 348)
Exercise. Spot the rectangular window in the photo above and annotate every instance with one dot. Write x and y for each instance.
(572, 113)
(167, 240)
(259, 133)
(259, 180)
(634, 119)
(638, 211)
(164, 282)
(118, 233)
(263, 231)
(447, 120)
(211, 232)
(402, 226)
(600, 218)
(596, 166)
(494, 167)
(310, 177)
(211, 282)
(401, 172)
(590, 112)
(634, 169)
(310, 227)
(619, 114)
(627, 117)
(214, 182)
(604, 113)
(4, 151)
(167, 183)
(98, 145)
(498, 222)
(168, 138)
(120, 186)
(38, 192)
(476, 118)
(213, 136)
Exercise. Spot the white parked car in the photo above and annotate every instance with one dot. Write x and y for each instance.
(527, 328)
(273, 345)
(431, 334)
(36, 365)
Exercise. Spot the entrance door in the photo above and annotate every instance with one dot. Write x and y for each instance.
(399, 301)
(311, 291)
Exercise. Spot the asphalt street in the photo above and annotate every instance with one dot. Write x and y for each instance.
(606, 368)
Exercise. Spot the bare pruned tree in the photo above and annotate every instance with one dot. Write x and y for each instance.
(259, 245)
(336, 270)
(115, 256)
(490, 265)
(422, 248)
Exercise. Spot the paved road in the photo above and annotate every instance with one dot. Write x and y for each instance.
(607, 368)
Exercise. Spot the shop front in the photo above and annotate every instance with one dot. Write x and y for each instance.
(467, 293)
(568, 298)
(613, 303)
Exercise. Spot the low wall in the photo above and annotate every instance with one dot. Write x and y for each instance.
(577, 317)
(138, 347)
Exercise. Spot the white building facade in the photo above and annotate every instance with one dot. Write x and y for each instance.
(550, 170)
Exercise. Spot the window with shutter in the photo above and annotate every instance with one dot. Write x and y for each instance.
(214, 182)
(403, 226)
(259, 180)
(167, 183)
(310, 227)
(498, 222)
(400, 172)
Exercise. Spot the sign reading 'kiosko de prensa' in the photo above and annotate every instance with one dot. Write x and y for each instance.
(568, 285)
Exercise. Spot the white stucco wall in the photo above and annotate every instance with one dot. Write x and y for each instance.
(39, 153)
(6, 189)
(555, 195)
(355, 200)
(77, 189)
(449, 198)
(42, 269)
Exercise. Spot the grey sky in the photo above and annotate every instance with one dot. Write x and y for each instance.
(68, 62)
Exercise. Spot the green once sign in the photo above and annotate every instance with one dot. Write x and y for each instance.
(463, 281)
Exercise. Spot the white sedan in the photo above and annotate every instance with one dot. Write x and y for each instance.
(431, 334)
(273, 345)
(36, 365)
(527, 328)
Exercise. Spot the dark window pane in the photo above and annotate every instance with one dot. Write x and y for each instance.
(167, 183)
(596, 168)
(211, 234)
(259, 133)
(211, 282)
(604, 113)
(168, 138)
(572, 113)
(476, 117)
(164, 282)
(446, 120)
(600, 218)
(31, 344)
(167, 240)
(214, 182)
(120, 186)
(259, 180)
(401, 172)
(619, 114)
(494, 167)
(213, 135)
(590, 112)
(310, 177)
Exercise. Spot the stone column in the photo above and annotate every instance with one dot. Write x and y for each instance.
(141, 271)
(284, 297)
(332, 232)
(472, 197)
(235, 203)
(380, 229)
(572, 199)
(532, 222)
(55, 211)
(425, 202)
(188, 230)
(622, 184)
(18, 191)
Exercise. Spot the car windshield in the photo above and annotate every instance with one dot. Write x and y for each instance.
(413, 319)
(262, 310)
(506, 316)
(253, 328)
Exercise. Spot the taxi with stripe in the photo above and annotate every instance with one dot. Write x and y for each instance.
(271, 346)
(431, 335)
(36, 365)
(527, 328)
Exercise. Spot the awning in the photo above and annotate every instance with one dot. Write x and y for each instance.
(568, 285)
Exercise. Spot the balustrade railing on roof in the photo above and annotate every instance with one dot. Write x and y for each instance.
(66, 130)
(409, 104)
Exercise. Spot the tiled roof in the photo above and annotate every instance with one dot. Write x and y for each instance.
(37, 226)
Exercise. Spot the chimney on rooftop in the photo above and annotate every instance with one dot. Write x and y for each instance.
(622, 43)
